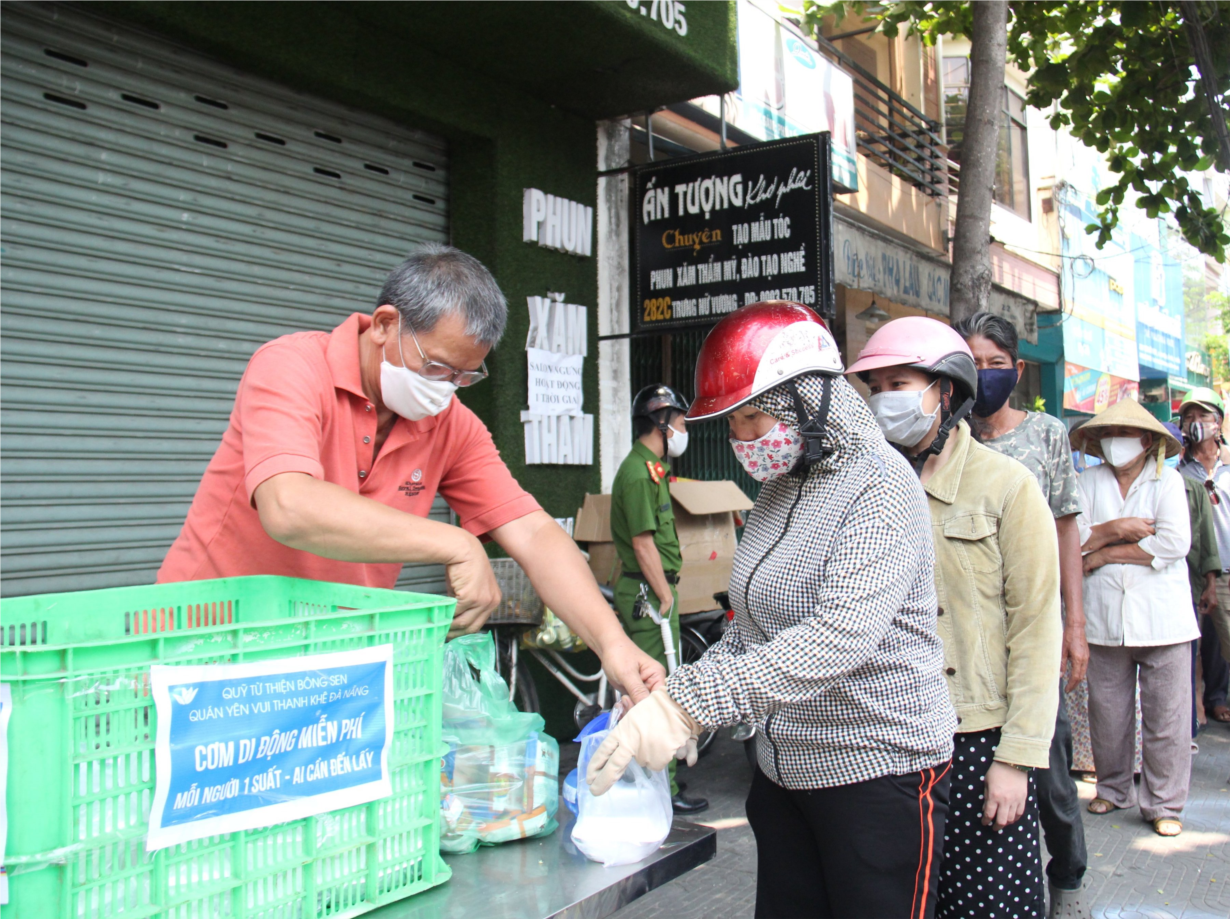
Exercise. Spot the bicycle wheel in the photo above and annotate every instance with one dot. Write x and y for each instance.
(694, 647)
(525, 693)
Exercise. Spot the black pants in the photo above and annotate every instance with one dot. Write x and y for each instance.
(1059, 809)
(1195, 661)
(870, 850)
(1216, 670)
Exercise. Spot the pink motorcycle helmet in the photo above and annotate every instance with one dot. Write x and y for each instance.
(924, 344)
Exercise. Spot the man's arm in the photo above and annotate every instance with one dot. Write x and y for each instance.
(1208, 599)
(1204, 546)
(1071, 576)
(1101, 534)
(1150, 543)
(333, 522)
(1033, 631)
(650, 563)
(1122, 554)
(558, 572)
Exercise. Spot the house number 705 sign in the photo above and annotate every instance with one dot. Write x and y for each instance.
(671, 13)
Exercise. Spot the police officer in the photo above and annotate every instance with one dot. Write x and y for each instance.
(643, 528)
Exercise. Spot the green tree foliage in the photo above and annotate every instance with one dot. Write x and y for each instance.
(1122, 78)
(1218, 346)
(1219, 357)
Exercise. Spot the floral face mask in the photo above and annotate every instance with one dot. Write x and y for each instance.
(773, 455)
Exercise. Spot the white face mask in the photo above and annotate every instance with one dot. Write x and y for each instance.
(771, 456)
(1120, 451)
(676, 443)
(901, 417)
(408, 394)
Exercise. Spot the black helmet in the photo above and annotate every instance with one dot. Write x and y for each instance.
(655, 397)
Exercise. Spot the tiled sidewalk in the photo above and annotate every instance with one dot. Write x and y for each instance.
(1133, 873)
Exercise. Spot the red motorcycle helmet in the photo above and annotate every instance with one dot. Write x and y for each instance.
(756, 348)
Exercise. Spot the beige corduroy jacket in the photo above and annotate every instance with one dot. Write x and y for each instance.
(997, 581)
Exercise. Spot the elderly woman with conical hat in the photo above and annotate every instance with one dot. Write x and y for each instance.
(1135, 533)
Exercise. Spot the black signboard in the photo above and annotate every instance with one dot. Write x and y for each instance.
(716, 231)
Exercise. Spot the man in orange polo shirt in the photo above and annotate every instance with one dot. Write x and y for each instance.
(339, 442)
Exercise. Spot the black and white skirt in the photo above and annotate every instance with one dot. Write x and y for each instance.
(985, 873)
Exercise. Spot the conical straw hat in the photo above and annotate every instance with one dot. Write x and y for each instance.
(1125, 413)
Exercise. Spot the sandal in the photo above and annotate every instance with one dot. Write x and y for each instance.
(1101, 806)
(1167, 826)
(1220, 713)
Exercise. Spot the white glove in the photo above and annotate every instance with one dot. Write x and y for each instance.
(654, 731)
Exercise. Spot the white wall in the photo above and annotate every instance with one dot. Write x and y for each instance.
(614, 364)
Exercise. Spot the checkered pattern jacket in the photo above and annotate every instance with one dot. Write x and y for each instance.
(833, 652)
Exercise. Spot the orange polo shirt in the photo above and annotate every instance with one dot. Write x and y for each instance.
(301, 408)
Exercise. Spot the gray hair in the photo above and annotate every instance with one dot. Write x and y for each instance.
(995, 329)
(436, 280)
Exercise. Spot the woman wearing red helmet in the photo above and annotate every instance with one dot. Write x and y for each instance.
(997, 580)
(833, 653)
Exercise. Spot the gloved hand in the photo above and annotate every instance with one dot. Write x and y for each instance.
(652, 732)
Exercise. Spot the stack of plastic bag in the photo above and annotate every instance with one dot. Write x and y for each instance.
(500, 777)
(632, 819)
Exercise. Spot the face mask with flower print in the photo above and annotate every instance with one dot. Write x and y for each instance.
(773, 455)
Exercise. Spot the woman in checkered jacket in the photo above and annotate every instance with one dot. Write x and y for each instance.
(833, 653)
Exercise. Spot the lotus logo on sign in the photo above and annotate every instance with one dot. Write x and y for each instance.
(184, 695)
(800, 52)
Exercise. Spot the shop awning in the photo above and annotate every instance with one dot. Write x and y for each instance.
(866, 259)
(598, 59)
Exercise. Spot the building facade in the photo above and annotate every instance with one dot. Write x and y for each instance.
(184, 182)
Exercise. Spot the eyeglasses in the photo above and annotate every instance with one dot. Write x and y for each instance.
(443, 373)
(1214, 497)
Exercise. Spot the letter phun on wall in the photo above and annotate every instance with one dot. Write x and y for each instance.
(557, 431)
(557, 223)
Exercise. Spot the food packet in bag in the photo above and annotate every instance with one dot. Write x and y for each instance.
(632, 819)
(499, 779)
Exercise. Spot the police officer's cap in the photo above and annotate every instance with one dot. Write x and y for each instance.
(654, 398)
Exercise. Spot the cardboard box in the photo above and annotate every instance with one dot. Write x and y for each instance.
(593, 526)
(604, 562)
(593, 523)
(704, 522)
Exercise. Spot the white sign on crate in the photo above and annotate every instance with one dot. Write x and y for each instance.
(242, 746)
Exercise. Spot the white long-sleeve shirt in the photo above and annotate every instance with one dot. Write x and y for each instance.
(1135, 605)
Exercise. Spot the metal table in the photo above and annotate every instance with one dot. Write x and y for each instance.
(541, 878)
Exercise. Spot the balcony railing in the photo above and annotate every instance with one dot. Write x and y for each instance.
(891, 132)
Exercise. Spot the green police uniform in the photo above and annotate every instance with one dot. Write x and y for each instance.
(641, 503)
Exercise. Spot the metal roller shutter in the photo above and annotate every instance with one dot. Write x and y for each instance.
(163, 216)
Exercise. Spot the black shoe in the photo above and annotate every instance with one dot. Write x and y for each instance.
(682, 805)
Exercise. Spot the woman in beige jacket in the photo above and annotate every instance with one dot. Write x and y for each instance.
(997, 582)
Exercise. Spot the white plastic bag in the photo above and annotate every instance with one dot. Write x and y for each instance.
(631, 820)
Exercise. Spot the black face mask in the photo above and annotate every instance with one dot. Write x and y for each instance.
(994, 387)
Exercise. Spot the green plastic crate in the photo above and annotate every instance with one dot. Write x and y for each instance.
(81, 753)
